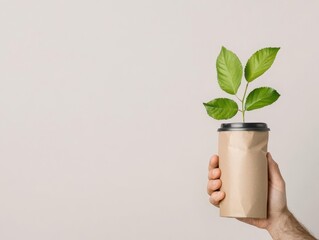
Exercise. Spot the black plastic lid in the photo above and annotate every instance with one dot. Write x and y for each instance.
(258, 126)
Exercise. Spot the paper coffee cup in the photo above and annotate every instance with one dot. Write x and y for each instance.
(243, 163)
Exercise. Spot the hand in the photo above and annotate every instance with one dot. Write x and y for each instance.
(277, 203)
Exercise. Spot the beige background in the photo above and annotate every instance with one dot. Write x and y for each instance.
(103, 134)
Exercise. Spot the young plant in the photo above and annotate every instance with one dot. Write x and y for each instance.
(229, 75)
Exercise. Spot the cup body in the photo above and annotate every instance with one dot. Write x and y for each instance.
(243, 163)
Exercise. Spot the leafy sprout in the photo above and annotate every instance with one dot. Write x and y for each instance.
(229, 75)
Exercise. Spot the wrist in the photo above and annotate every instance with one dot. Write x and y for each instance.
(286, 226)
(278, 223)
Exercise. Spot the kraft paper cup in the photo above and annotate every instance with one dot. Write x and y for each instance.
(243, 163)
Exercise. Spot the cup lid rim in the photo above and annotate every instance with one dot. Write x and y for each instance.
(244, 126)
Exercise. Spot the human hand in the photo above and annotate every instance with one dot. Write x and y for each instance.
(277, 203)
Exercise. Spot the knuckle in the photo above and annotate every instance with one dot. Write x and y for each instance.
(215, 173)
(209, 187)
(217, 184)
(212, 185)
(213, 201)
(210, 174)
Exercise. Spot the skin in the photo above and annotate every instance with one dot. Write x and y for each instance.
(281, 224)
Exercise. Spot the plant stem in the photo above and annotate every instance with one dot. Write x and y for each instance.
(238, 98)
(242, 102)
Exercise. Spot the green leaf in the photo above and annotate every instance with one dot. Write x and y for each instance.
(261, 97)
(221, 108)
(259, 63)
(229, 71)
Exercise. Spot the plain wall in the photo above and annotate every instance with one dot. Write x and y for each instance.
(103, 134)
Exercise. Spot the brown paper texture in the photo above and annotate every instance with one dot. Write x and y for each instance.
(243, 163)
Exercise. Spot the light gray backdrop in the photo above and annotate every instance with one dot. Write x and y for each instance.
(103, 134)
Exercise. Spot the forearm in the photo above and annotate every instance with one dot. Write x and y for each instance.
(288, 228)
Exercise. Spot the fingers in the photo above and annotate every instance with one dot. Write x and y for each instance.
(274, 172)
(214, 174)
(213, 162)
(213, 185)
(216, 197)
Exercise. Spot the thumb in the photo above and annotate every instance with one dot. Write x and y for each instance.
(274, 171)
